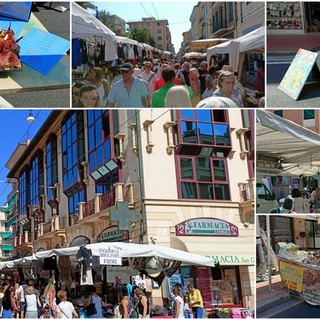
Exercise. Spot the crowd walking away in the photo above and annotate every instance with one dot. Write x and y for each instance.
(33, 300)
(167, 84)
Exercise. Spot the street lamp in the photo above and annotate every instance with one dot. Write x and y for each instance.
(30, 118)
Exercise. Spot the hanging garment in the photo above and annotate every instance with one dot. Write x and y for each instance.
(110, 52)
(76, 53)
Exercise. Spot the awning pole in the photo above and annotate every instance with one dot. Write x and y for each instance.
(268, 250)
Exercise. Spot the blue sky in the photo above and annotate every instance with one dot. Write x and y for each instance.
(177, 13)
(15, 129)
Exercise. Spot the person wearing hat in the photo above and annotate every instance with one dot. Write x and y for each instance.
(149, 76)
(129, 92)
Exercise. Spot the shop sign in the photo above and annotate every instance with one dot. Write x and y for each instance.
(113, 234)
(110, 256)
(79, 241)
(232, 260)
(119, 275)
(206, 227)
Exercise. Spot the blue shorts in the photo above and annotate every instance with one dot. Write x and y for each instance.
(22, 306)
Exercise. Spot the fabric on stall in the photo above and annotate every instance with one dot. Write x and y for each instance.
(136, 51)
(110, 51)
(84, 256)
(86, 277)
(37, 266)
(84, 51)
(159, 278)
(50, 263)
(130, 52)
(148, 283)
(65, 268)
(125, 51)
(76, 53)
(120, 51)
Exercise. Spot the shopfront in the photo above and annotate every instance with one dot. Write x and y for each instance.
(293, 17)
(225, 285)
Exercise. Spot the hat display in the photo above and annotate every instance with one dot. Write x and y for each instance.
(126, 66)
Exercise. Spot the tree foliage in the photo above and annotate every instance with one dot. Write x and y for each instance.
(142, 36)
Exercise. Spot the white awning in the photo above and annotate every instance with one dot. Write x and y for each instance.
(225, 250)
(296, 148)
(85, 25)
(126, 250)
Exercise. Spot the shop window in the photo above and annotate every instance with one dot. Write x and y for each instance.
(36, 179)
(224, 292)
(23, 191)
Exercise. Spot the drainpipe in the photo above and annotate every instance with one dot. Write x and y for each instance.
(143, 222)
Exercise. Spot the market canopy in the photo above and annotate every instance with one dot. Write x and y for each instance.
(86, 25)
(193, 54)
(253, 40)
(294, 149)
(126, 250)
(205, 43)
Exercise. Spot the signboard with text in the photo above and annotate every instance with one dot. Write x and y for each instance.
(113, 234)
(110, 256)
(206, 227)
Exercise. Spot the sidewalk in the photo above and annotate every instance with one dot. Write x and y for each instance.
(267, 299)
(289, 44)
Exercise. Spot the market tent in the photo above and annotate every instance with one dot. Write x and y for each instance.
(254, 40)
(126, 250)
(295, 150)
(85, 25)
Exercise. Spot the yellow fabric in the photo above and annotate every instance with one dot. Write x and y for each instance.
(195, 298)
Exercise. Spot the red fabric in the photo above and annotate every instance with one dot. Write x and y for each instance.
(160, 83)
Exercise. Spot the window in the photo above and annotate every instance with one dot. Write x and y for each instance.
(102, 145)
(203, 143)
(52, 168)
(308, 114)
(23, 192)
(73, 153)
(36, 179)
(159, 38)
(203, 178)
(231, 11)
(279, 113)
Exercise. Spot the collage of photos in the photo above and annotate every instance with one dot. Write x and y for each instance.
(160, 159)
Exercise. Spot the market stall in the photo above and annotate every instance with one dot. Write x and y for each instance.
(254, 41)
(300, 273)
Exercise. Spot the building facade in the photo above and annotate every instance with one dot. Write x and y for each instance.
(186, 175)
(290, 18)
(159, 30)
(249, 16)
(117, 24)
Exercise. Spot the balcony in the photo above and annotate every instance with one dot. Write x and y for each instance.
(23, 239)
(107, 200)
(54, 225)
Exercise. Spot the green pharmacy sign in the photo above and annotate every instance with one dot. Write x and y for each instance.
(206, 227)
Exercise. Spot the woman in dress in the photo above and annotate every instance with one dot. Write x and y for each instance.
(178, 302)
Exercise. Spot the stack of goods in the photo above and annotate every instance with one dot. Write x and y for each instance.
(9, 51)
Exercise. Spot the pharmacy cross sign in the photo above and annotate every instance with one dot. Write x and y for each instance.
(123, 215)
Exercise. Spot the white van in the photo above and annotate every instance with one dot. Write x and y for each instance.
(265, 201)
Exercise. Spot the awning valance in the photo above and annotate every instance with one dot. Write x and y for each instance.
(225, 250)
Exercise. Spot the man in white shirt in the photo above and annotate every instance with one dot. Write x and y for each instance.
(129, 92)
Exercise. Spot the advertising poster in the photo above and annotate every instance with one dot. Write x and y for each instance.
(292, 275)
